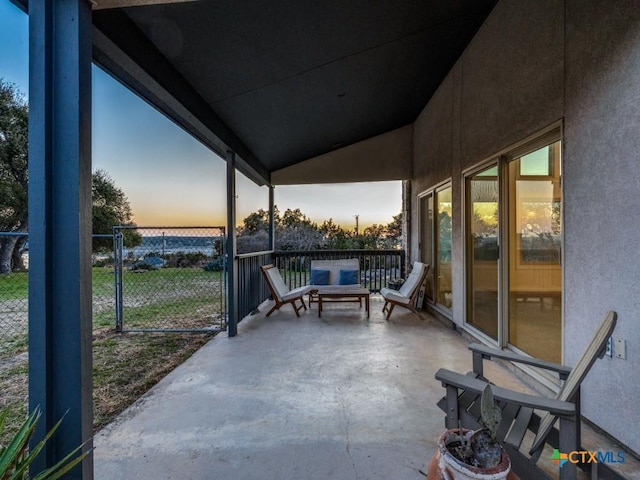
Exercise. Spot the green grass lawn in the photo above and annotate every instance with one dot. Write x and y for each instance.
(124, 365)
(13, 286)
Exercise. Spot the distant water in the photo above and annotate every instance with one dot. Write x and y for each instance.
(171, 244)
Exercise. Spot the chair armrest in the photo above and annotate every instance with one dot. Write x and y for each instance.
(468, 383)
(482, 351)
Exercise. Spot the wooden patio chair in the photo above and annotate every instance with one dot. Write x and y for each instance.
(519, 411)
(408, 293)
(281, 293)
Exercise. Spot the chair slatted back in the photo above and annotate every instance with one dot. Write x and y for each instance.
(595, 349)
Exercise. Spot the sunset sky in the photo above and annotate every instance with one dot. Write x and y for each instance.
(170, 178)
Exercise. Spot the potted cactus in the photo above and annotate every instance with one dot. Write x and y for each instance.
(466, 454)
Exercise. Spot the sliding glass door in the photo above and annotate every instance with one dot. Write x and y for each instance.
(435, 245)
(513, 237)
(483, 206)
(535, 253)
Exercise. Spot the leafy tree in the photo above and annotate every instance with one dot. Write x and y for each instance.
(296, 231)
(394, 229)
(336, 237)
(375, 236)
(14, 114)
(110, 208)
(303, 237)
(296, 219)
(330, 229)
(257, 221)
(110, 205)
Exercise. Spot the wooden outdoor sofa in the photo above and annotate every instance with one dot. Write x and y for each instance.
(332, 274)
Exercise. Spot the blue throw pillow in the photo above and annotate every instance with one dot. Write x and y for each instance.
(319, 277)
(349, 277)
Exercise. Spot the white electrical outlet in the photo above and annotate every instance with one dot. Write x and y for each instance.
(620, 348)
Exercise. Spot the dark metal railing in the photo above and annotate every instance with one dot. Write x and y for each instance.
(252, 289)
(377, 267)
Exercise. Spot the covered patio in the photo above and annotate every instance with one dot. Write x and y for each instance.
(431, 93)
(337, 397)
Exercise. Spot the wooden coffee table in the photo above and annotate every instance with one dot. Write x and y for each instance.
(343, 294)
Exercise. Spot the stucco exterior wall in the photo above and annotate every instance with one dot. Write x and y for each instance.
(533, 64)
(385, 157)
(602, 197)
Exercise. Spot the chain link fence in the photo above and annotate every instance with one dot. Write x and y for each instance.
(170, 279)
(13, 292)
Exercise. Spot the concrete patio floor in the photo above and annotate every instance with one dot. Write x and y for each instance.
(339, 397)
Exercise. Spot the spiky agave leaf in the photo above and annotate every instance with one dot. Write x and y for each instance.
(64, 465)
(12, 455)
(15, 461)
(491, 413)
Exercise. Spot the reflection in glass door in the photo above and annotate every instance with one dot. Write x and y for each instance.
(435, 245)
(482, 196)
(443, 248)
(535, 252)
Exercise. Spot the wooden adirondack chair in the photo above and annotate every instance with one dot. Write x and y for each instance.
(281, 293)
(462, 404)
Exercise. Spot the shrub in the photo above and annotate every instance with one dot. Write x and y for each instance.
(215, 265)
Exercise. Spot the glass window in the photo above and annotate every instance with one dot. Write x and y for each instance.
(537, 164)
(535, 253)
(513, 245)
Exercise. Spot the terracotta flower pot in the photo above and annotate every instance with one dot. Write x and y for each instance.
(444, 466)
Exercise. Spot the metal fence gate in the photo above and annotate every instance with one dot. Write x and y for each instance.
(170, 279)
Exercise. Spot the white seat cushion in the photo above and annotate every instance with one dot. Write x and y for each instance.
(297, 292)
(395, 295)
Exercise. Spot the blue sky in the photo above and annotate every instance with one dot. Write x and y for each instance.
(170, 178)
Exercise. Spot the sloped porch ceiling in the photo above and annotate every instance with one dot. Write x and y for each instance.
(288, 82)
(384, 157)
(282, 82)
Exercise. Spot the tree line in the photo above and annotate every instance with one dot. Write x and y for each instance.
(295, 231)
(110, 205)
